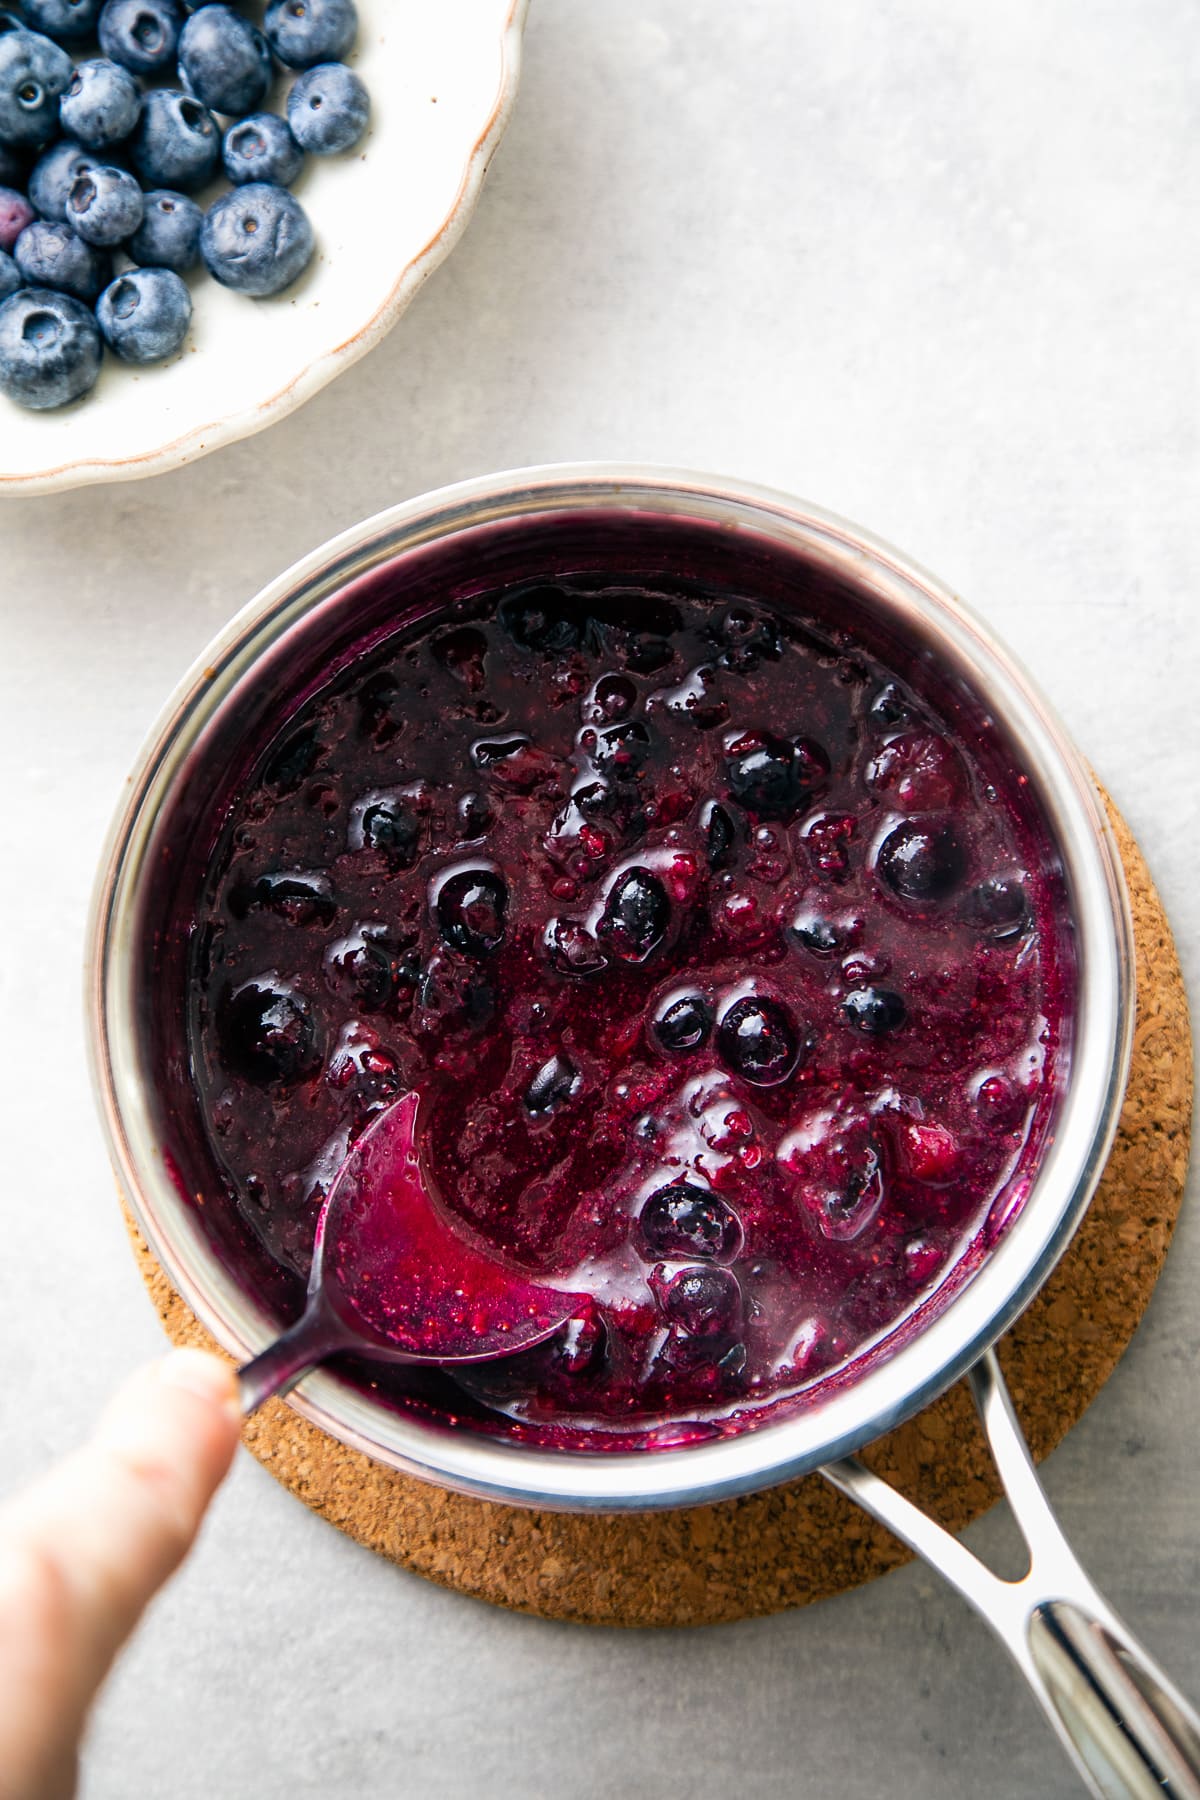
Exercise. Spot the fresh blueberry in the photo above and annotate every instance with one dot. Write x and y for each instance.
(50, 348)
(10, 276)
(63, 20)
(705, 1303)
(15, 214)
(142, 35)
(50, 254)
(169, 234)
(101, 105)
(773, 777)
(720, 835)
(145, 314)
(266, 1034)
(305, 32)
(542, 619)
(328, 109)
(999, 907)
(256, 239)
(758, 1041)
(686, 1220)
(105, 206)
(261, 148)
(921, 861)
(176, 143)
(555, 1081)
(636, 916)
(54, 174)
(470, 908)
(34, 74)
(875, 1011)
(224, 60)
(683, 1021)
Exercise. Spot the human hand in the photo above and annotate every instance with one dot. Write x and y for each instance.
(85, 1548)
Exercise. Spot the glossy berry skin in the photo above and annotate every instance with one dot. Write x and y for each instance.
(224, 60)
(10, 275)
(50, 254)
(683, 1022)
(105, 206)
(101, 104)
(773, 778)
(921, 861)
(15, 214)
(328, 109)
(34, 73)
(557, 1080)
(50, 349)
(636, 917)
(470, 910)
(142, 35)
(267, 1036)
(176, 144)
(684, 1220)
(261, 148)
(758, 1041)
(305, 32)
(63, 20)
(256, 239)
(169, 234)
(704, 1303)
(144, 314)
(875, 1011)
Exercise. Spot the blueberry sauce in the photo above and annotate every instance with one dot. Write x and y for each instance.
(729, 968)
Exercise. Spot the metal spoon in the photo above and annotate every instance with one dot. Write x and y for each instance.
(391, 1279)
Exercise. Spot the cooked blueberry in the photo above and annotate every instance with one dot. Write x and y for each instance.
(105, 206)
(487, 751)
(453, 998)
(720, 835)
(54, 174)
(141, 35)
(543, 619)
(683, 1021)
(706, 1303)
(176, 143)
(874, 1010)
(999, 906)
(686, 1220)
(772, 777)
(301, 896)
(645, 653)
(555, 1081)
(145, 314)
(63, 20)
(611, 698)
(295, 759)
(101, 105)
(51, 255)
(636, 915)
(758, 1041)
(387, 824)
(816, 932)
(10, 275)
(256, 239)
(748, 636)
(571, 948)
(474, 813)
(889, 708)
(369, 969)
(621, 750)
(15, 214)
(304, 32)
(34, 75)
(50, 348)
(470, 909)
(921, 861)
(580, 1347)
(266, 1034)
(328, 109)
(461, 651)
(169, 234)
(261, 148)
(224, 60)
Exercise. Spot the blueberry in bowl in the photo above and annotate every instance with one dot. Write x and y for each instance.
(105, 206)
(305, 32)
(328, 109)
(49, 348)
(145, 314)
(224, 60)
(261, 148)
(169, 234)
(256, 239)
(101, 105)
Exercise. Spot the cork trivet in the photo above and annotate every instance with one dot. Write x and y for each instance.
(802, 1541)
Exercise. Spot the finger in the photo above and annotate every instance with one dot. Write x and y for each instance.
(85, 1548)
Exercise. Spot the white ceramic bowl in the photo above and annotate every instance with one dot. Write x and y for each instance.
(442, 78)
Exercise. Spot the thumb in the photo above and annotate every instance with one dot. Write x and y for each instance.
(85, 1548)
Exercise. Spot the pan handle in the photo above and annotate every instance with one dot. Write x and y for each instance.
(1130, 1734)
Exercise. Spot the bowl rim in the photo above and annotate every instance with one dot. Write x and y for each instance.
(201, 440)
(938, 1352)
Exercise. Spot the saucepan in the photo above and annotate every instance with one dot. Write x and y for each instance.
(1127, 1729)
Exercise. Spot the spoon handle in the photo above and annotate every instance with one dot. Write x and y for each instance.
(278, 1368)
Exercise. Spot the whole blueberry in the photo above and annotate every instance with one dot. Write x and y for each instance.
(144, 314)
(305, 32)
(224, 60)
(773, 777)
(683, 1021)
(921, 860)
(875, 1011)
(685, 1220)
(636, 916)
(10, 276)
(54, 174)
(101, 105)
(256, 239)
(141, 35)
(49, 254)
(470, 910)
(555, 1081)
(261, 148)
(705, 1303)
(15, 214)
(169, 234)
(34, 74)
(267, 1035)
(105, 206)
(176, 143)
(720, 835)
(758, 1041)
(64, 20)
(50, 348)
(328, 109)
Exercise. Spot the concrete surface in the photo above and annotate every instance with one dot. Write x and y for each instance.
(934, 266)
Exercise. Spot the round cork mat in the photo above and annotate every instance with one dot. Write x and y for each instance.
(802, 1541)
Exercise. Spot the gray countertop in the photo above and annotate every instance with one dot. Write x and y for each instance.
(932, 266)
